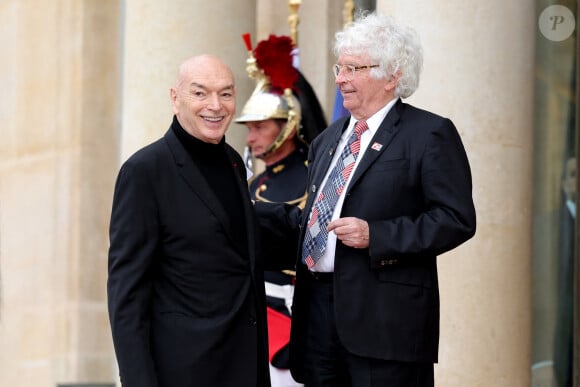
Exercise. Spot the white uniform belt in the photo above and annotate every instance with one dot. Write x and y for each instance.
(284, 292)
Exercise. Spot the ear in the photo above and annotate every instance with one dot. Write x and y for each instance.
(173, 98)
(391, 85)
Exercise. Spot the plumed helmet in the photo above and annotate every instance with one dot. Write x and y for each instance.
(270, 64)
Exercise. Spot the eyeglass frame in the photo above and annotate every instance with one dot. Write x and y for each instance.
(336, 68)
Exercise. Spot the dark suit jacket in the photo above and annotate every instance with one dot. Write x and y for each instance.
(186, 305)
(413, 186)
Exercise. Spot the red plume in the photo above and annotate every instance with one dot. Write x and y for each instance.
(274, 57)
(247, 41)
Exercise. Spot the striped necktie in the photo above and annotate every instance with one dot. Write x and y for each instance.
(316, 233)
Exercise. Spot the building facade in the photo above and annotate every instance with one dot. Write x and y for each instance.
(86, 83)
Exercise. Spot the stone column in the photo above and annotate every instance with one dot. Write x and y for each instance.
(158, 38)
(478, 71)
(318, 21)
(59, 108)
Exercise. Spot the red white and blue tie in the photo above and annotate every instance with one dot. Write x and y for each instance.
(316, 234)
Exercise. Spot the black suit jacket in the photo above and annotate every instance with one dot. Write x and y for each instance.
(413, 186)
(186, 305)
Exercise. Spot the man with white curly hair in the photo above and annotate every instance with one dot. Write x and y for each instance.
(389, 190)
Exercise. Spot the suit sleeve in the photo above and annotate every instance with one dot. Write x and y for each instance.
(133, 239)
(445, 218)
(278, 226)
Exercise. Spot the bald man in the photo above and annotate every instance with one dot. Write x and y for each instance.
(185, 286)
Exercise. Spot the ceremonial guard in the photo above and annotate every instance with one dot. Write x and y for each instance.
(282, 116)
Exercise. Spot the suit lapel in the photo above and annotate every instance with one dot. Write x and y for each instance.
(329, 148)
(195, 180)
(320, 166)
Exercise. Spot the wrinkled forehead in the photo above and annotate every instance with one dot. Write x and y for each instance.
(207, 73)
(353, 58)
(210, 84)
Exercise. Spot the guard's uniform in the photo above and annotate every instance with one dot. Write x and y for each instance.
(284, 181)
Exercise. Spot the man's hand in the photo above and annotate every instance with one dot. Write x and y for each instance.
(353, 232)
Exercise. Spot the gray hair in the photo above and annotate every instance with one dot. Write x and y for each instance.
(394, 47)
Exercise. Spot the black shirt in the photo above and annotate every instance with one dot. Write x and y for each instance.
(218, 170)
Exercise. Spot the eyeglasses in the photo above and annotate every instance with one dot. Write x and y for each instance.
(350, 70)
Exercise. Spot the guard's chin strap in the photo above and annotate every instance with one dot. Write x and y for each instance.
(248, 161)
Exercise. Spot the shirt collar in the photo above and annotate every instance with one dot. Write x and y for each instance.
(375, 120)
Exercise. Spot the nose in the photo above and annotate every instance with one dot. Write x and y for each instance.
(214, 102)
(341, 77)
(250, 137)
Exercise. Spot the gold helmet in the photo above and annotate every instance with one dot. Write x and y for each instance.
(270, 64)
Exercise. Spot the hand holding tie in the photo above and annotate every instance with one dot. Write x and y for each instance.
(352, 232)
